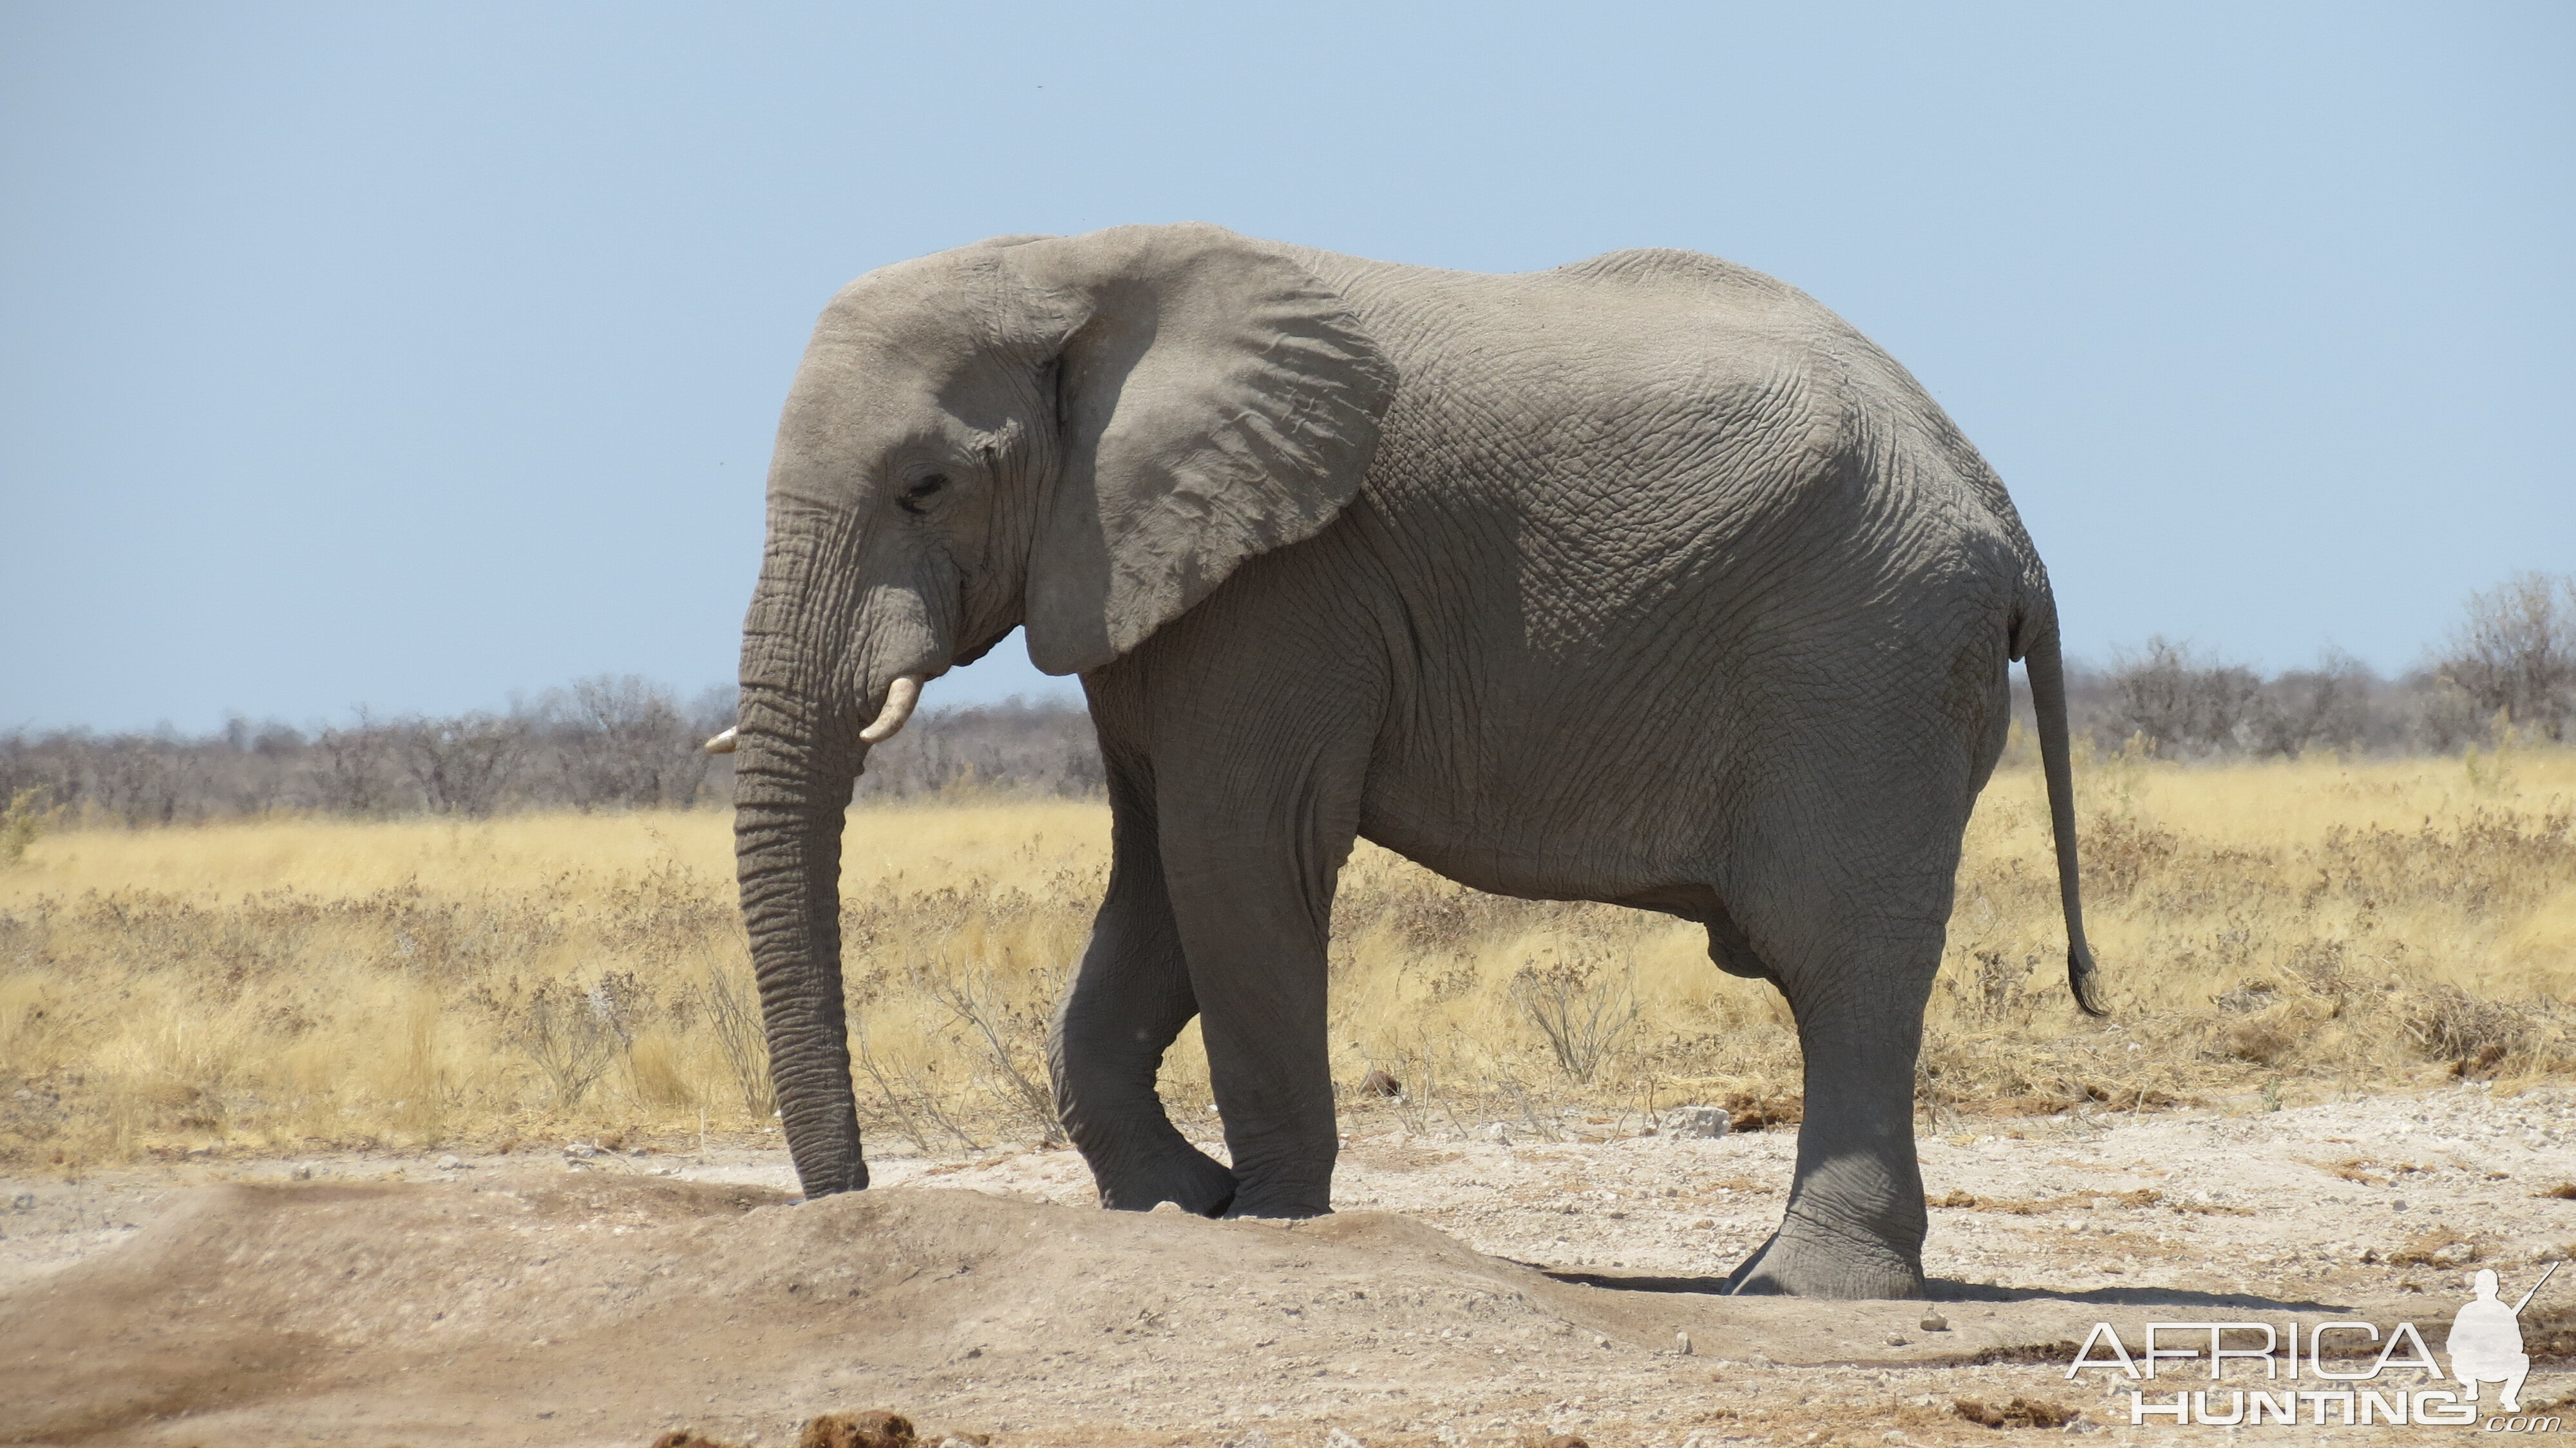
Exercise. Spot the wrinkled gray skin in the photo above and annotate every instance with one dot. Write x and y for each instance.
(1645, 580)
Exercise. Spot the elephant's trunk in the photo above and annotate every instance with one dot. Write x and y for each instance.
(794, 768)
(823, 655)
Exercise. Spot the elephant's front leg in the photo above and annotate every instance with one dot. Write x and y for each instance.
(1128, 1001)
(1252, 863)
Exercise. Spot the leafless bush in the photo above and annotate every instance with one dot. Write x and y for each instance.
(2185, 703)
(573, 1036)
(973, 996)
(2325, 707)
(733, 1009)
(464, 764)
(2516, 651)
(141, 784)
(357, 771)
(912, 1099)
(621, 742)
(1581, 1015)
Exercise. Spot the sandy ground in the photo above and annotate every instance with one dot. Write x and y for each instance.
(1472, 1291)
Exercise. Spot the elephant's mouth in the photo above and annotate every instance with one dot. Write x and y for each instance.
(902, 696)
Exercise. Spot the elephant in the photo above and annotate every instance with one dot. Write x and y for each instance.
(1645, 580)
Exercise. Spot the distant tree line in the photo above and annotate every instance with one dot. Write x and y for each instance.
(2510, 661)
(614, 743)
(607, 743)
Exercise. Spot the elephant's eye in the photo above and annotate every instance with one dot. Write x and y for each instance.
(910, 502)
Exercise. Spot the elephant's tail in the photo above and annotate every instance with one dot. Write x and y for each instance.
(2048, 700)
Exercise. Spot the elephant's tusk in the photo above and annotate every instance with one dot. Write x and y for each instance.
(721, 744)
(905, 692)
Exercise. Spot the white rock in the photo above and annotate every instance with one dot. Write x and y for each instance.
(1700, 1122)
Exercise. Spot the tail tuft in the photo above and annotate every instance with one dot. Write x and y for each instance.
(2083, 981)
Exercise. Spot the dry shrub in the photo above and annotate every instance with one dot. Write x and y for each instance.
(2019, 1413)
(2290, 925)
(876, 1428)
(2440, 1247)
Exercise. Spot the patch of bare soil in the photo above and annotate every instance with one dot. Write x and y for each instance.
(1471, 1292)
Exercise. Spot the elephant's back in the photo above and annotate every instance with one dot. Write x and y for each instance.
(1880, 402)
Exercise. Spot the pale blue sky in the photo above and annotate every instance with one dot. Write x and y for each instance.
(418, 355)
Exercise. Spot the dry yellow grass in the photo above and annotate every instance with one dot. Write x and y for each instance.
(2284, 927)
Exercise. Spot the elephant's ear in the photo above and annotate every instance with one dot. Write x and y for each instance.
(1215, 399)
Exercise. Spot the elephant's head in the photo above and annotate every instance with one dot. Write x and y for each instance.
(1083, 434)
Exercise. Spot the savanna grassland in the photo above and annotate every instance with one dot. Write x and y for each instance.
(2270, 931)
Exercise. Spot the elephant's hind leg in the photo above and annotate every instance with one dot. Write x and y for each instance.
(1128, 1001)
(1853, 937)
(1854, 1223)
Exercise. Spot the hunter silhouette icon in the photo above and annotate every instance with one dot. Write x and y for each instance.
(2486, 1340)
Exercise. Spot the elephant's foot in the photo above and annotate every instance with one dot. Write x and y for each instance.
(1814, 1265)
(1299, 1189)
(1186, 1177)
(1277, 1207)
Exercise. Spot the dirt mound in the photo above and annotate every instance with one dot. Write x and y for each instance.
(608, 1310)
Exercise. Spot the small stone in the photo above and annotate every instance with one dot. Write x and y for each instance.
(580, 1150)
(1599, 1341)
(1254, 1439)
(302, 1171)
(1681, 1343)
(23, 1202)
(1897, 1339)
(1497, 1131)
(1337, 1438)
(1701, 1122)
(1935, 1322)
(1567, 1440)
(1168, 1209)
(450, 1162)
